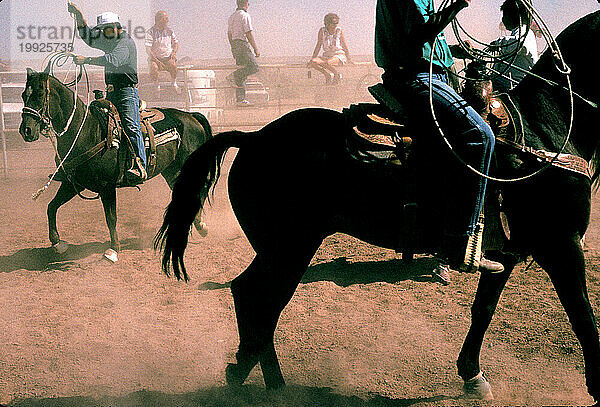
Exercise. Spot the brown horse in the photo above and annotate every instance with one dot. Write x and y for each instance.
(89, 164)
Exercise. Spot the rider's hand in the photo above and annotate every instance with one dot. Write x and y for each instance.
(79, 59)
(73, 9)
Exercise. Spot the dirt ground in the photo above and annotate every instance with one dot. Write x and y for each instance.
(363, 329)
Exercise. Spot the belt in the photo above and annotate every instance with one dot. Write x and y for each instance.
(411, 70)
(111, 88)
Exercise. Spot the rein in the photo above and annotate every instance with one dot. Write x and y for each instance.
(43, 117)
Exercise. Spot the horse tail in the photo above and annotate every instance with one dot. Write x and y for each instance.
(198, 176)
(204, 123)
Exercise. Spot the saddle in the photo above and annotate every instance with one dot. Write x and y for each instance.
(380, 134)
(157, 129)
(380, 137)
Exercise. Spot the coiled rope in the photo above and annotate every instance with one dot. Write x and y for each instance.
(485, 57)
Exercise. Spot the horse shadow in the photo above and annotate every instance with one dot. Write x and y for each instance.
(45, 258)
(344, 273)
(245, 396)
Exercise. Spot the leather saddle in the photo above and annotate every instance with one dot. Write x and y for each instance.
(380, 133)
(157, 129)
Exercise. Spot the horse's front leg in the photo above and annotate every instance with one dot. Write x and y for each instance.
(486, 300)
(65, 193)
(109, 201)
(565, 263)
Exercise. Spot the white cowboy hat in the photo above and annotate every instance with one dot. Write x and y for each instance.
(107, 18)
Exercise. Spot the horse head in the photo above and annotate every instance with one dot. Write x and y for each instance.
(35, 117)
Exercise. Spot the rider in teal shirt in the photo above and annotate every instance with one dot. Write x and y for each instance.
(405, 29)
(405, 32)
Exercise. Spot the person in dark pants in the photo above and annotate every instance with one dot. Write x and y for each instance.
(120, 75)
(242, 43)
(405, 33)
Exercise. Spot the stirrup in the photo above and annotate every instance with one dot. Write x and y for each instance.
(473, 253)
(138, 170)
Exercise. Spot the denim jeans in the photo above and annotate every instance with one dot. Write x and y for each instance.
(242, 52)
(127, 102)
(471, 138)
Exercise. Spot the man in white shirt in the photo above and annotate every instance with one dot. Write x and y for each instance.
(241, 39)
(517, 19)
(161, 46)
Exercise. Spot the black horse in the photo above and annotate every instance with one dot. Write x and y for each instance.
(292, 184)
(90, 165)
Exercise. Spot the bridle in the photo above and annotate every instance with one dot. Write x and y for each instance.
(42, 116)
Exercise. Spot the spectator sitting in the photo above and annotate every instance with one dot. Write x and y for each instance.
(161, 46)
(335, 50)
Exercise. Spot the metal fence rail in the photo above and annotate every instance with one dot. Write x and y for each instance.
(274, 91)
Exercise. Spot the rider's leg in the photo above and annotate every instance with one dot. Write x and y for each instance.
(127, 101)
(473, 141)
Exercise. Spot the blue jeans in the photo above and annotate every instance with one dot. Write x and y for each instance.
(470, 136)
(127, 102)
(242, 52)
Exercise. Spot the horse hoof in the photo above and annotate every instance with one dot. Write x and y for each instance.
(441, 275)
(111, 255)
(478, 388)
(202, 229)
(232, 375)
(60, 247)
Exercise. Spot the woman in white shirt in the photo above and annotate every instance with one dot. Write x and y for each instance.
(335, 51)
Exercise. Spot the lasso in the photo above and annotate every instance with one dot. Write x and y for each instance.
(487, 57)
(58, 59)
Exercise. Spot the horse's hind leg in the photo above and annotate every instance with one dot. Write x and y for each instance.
(565, 265)
(260, 293)
(65, 193)
(109, 202)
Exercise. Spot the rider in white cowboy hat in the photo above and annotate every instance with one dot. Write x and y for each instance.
(120, 74)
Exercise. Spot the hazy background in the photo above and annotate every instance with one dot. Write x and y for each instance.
(289, 27)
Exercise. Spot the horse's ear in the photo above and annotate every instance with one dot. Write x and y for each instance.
(30, 72)
(47, 69)
(44, 75)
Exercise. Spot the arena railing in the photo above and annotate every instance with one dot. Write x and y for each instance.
(274, 91)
